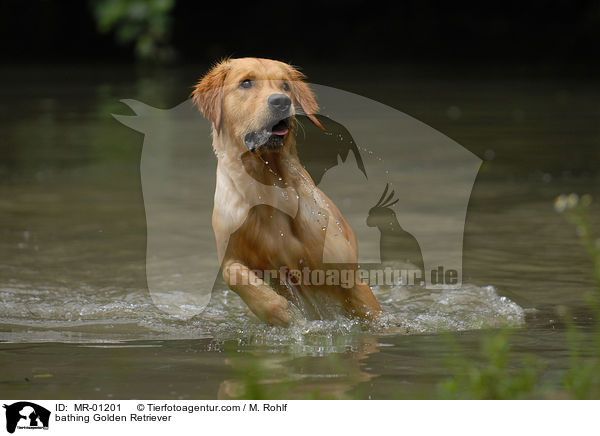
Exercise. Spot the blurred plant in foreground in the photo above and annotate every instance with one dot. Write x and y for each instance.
(582, 379)
(493, 377)
(577, 212)
(145, 24)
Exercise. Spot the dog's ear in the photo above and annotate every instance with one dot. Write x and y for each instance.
(208, 93)
(304, 97)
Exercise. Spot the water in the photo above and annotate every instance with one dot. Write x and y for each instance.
(76, 320)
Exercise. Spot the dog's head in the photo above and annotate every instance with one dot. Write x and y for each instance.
(254, 101)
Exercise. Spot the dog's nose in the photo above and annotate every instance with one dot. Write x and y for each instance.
(279, 102)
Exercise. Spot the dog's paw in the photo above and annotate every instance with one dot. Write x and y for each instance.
(275, 311)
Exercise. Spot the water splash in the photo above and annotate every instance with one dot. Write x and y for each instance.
(105, 315)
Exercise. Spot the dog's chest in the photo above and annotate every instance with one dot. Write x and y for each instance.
(290, 223)
(271, 237)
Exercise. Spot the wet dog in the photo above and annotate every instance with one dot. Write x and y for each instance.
(268, 214)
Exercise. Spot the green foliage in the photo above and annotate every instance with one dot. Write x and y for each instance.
(577, 211)
(490, 376)
(582, 379)
(144, 24)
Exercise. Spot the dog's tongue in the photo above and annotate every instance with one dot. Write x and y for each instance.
(279, 129)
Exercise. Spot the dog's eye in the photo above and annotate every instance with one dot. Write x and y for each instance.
(246, 84)
(286, 86)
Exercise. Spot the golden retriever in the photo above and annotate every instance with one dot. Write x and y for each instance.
(268, 214)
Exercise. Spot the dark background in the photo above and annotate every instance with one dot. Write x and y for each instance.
(563, 34)
(512, 81)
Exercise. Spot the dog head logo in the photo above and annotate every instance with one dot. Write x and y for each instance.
(26, 415)
(366, 148)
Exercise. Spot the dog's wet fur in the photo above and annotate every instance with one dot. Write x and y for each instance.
(253, 104)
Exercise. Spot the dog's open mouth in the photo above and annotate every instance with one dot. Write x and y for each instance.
(281, 128)
(270, 138)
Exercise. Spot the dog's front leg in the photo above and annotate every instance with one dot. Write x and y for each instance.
(269, 306)
(361, 301)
